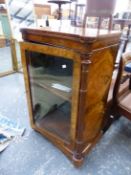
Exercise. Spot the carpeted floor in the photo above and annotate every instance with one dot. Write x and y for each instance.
(34, 155)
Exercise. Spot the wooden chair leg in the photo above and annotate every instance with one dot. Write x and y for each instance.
(110, 23)
(84, 21)
(99, 22)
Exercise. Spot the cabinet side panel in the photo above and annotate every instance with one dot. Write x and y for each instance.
(98, 82)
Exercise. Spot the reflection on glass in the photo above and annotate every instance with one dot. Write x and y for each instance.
(51, 89)
(5, 42)
(5, 58)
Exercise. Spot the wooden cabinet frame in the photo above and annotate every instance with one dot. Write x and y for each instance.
(94, 59)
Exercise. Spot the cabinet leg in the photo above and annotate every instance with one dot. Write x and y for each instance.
(78, 159)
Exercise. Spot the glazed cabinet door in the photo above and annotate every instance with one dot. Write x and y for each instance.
(52, 77)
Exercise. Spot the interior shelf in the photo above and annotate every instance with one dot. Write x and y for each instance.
(60, 93)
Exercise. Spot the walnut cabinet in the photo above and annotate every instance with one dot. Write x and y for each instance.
(67, 79)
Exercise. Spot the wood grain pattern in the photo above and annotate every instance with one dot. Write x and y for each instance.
(93, 56)
(96, 97)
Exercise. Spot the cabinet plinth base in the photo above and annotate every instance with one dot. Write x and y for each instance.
(67, 149)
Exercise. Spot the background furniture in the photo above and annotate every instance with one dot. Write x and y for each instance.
(41, 10)
(20, 14)
(67, 78)
(121, 102)
(123, 19)
(119, 84)
(79, 13)
(59, 3)
(2, 41)
(7, 42)
(127, 68)
(101, 9)
(5, 25)
(121, 22)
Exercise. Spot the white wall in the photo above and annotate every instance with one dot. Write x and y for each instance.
(121, 5)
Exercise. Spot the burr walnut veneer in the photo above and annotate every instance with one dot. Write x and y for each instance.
(67, 76)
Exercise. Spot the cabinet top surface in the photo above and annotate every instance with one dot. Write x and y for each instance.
(71, 32)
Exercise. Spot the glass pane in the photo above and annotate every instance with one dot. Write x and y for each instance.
(51, 89)
(5, 57)
(5, 43)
